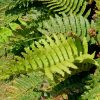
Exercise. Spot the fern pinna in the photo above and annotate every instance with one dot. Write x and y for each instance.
(53, 55)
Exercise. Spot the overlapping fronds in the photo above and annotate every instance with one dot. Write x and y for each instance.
(52, 55)
(56, 35)
(68, 6)
(68, 25)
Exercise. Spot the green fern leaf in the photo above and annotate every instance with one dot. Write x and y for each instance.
(52, 55)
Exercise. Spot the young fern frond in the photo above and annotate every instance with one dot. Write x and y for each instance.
(68, 25)
(68, 6)
(53, 55)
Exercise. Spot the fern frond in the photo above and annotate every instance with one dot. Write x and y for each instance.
(68, 6)
(68, 25)
(29, 87)
(52, 55)
(31, 81)
(60, 6)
